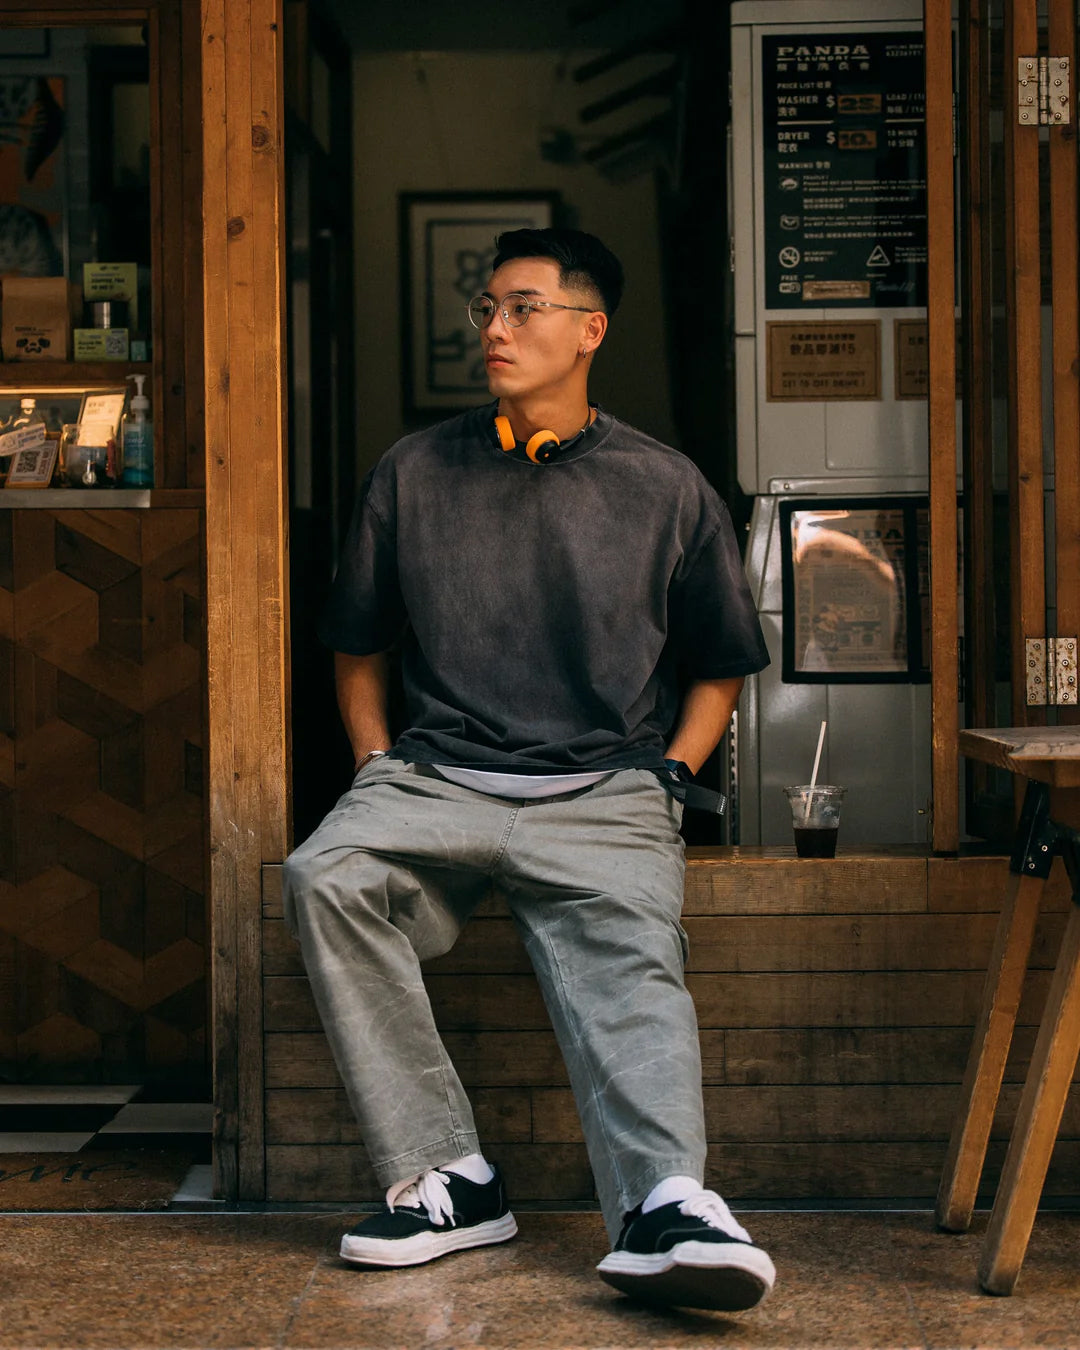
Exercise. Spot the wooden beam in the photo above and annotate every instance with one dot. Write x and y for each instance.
(941, 341)
(977, 319)
(1023, 316)
(1066, 345)
(246, 551)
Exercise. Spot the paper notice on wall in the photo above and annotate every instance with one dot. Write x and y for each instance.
(809, 362)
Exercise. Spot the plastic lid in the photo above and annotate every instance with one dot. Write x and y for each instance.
(139, 400)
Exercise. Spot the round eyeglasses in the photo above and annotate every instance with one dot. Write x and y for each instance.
(513, 309)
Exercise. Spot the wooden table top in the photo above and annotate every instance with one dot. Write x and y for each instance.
(1048, 754)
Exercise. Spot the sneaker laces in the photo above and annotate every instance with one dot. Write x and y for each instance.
(708, 1206)
(428, 1190)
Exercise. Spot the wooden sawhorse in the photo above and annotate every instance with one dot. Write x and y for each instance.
(1049, 757)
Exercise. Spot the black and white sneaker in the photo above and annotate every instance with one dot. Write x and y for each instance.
(438, 1213)
(691, 1255)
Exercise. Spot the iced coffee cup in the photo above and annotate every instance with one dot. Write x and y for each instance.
(815, 818)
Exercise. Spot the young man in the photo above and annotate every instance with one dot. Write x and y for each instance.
(550, 574)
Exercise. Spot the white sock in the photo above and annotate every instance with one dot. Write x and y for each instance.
(473, 1167)
(670, 1191)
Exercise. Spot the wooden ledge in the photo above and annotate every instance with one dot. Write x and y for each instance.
(749, 853)
(772, 881)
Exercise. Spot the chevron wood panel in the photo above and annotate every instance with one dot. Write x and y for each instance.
(102, 815)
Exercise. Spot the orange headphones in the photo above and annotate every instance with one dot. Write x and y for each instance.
(540, 447)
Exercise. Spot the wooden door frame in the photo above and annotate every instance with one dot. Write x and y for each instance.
(941, 350)
(246, 545)
(1064, 229)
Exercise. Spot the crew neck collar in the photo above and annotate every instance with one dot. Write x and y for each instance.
(579, 445)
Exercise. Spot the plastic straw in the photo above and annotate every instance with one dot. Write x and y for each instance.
(813, 776)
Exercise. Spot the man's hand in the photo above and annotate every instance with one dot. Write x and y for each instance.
(703, 719)
(362, 699)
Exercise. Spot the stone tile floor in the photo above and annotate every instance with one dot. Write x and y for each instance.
(226, 1281)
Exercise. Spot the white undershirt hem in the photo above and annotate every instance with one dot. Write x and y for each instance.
(518, 784)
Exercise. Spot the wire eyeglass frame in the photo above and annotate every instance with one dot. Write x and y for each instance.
(488, 309)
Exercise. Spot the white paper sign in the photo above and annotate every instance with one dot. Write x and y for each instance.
(26, 438)
(99, 419)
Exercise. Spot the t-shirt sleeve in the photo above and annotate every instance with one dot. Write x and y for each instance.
(713, 621)
(365, 612)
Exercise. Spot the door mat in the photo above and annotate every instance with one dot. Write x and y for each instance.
(95, 1180)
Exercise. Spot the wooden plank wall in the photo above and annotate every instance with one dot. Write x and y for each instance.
(835, 1002)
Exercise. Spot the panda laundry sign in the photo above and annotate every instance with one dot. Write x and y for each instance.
(844, 164)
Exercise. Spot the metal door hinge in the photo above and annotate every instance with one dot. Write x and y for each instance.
(1042, 91)
(1050, 667)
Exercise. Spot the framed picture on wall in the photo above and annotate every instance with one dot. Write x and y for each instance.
(447, 246)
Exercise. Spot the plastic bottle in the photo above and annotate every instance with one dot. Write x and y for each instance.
(138, 439)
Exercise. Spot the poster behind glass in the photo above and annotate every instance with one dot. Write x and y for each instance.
(856, 590)
(33, 225)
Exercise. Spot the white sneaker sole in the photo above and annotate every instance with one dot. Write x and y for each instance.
(421, 1247)
(728, 1276)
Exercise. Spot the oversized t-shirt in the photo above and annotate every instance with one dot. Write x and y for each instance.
(546, 613)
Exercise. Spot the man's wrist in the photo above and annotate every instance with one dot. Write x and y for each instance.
(680, 769)
(366, 759)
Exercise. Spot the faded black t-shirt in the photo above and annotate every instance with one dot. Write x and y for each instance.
(545, 612)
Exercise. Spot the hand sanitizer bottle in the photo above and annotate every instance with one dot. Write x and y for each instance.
(138, 440)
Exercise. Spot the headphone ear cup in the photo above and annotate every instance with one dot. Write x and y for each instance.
(542, 446)
(505, 433)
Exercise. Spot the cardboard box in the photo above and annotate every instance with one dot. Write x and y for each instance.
(36, 318)
(101, 344)
(114, 281)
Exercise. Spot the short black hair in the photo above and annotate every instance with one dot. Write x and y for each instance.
(584, 262)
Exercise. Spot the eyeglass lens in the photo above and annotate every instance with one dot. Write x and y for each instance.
(514, 309)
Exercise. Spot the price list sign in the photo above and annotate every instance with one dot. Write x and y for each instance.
(844, 170)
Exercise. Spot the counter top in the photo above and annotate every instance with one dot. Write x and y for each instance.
(101, 499)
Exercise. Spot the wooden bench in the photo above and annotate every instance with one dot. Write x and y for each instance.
(835, 997)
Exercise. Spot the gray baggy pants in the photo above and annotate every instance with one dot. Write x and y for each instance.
(594, 881)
